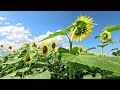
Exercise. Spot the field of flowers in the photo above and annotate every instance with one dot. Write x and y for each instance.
(48, 62)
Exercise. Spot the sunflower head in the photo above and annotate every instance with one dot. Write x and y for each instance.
(27, 44)
(29, 58)
(82, 28)
(53, 45)
(105, 36)
(1, 45)
(44, 47)
(10, 47)
(80, 50)
(34, 44)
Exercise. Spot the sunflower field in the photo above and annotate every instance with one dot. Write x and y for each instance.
(48, 62)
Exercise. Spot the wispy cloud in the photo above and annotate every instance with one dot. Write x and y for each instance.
(2, 18)
(7, 23)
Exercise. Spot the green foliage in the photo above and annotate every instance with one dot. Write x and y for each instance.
(112, 28)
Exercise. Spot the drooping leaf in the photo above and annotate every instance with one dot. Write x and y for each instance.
(111, 42)
(112, 28)
(44, 75)
(105, 63)
(97, 36)
(114, 49)
(62, 50)
(91, 48)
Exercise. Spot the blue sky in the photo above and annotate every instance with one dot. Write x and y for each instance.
(40, 22)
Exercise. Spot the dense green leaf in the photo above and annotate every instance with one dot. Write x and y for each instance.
(23, 69)
(114, 53)
(105, 63)
(44, 75)
(13, 61)
(9, 76)
(112, 28)
(63, 50)
(114, 49)
(74, 50)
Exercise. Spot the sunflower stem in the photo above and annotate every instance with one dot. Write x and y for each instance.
(70, 63)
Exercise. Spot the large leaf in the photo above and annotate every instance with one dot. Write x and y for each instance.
(44, 75)
(105, 63)
(63, 50)
(62, 32)
(9, 76)
(112, 28)
(13, 61)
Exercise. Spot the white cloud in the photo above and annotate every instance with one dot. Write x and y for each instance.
(7, 23)
(2, 18)
(18, 24)
(17, 35)
(14, 35)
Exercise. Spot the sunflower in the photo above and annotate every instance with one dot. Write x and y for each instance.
(44, 48)
(29, 58)
(53, 45)
(82, 28)
(1, 45)
(105, 36)
(34, 44)
(10, 47)
(80, 50)
(26, 44)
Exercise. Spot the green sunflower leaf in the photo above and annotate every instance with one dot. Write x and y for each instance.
(74, 50)
(62, 50)
(112, 28)
(111, 42)
(97, 76)
(97, 36)
(114, 49)
(111, 64)
(62, 32)
(91, 48)
(102, 45)
(44, 75)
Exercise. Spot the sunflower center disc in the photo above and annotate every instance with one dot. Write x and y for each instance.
(105, 36)
(44, 49)
(28, 59)
(53, 45)
(81, 28)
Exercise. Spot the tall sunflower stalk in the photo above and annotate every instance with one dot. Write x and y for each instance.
(80, 29)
